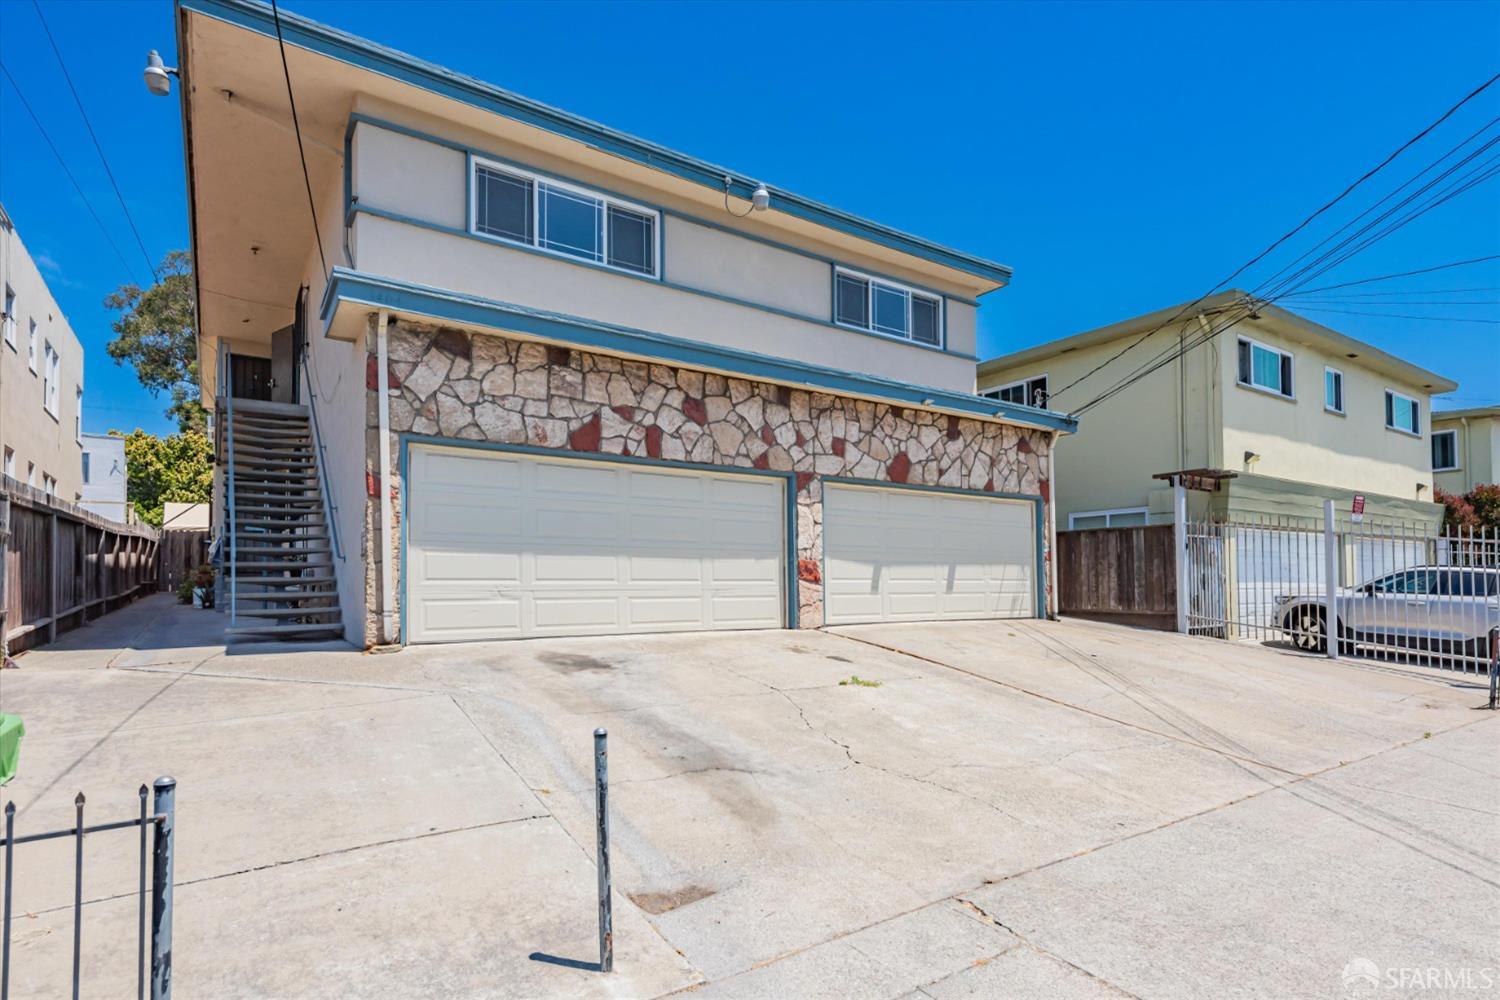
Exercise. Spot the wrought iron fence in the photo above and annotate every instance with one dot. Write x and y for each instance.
(1381, 589)
(159, 822)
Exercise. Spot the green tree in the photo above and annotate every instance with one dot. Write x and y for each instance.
(177, 468)
(156, 334)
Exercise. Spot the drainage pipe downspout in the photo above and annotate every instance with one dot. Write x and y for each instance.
(383, 405)
(1054, 592)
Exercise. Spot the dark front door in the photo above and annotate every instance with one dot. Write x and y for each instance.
(249, 378)
(299, 342)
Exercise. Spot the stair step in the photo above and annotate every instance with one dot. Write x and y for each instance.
(256, 550)
(242, 405)
(286, 597)
(286, 612)
(268, 435)
(244, 537)
(274, 451)
(246, 473)
(269, 629)
(285, 581)
(278, 565)
(303, 520)
(287, 491)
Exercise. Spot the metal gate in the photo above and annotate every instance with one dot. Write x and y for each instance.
(160, 823)
(1383, 589)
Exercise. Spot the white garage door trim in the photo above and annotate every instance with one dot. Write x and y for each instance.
(591, 546)
(912, 553)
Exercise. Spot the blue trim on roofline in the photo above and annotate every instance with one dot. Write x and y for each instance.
(376, 58)
(789, 498)
(387, 293)
(1038, 520)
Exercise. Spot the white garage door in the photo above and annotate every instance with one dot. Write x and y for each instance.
(503, 546)
(911, 555)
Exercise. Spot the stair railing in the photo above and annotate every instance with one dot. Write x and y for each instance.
(229, 505)
(325, 487)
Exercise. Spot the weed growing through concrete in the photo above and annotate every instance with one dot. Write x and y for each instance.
(858, 681)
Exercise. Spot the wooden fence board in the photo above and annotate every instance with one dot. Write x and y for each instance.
(1125, 575)
(181, 550)
(63, 566)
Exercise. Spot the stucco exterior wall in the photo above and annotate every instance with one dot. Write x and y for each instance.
(1298, 439)
(47, 441)
(104, 493)
(452, 384)
(784, 297)
(1478, 446)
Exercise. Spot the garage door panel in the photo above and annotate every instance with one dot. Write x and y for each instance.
(905, 555)
(565, 546)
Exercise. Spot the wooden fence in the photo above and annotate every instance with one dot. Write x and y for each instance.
(1125, 575)
(62, 566)
(182, 550)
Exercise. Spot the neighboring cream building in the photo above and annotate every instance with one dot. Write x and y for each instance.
(41, 378)
(104, 477)
(1298, 412)
(1466, 448)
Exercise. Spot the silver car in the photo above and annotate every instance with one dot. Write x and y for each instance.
(1447, 610)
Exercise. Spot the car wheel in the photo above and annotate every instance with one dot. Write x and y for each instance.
(1306, 627)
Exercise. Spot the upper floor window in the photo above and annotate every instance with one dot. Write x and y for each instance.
(10, 318)
(1333, 390)
(1026, 392)
(49, 379)
(31, 347)
(1444, 451)
(884, 307)
(10, 462)
(85, 468)
(1401, 413)
(521, 207)
(1265, 368)
(49, 485)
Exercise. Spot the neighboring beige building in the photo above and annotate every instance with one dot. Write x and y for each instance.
(1466, 448)
(567, 381)
(1298, 412)
(41, 378)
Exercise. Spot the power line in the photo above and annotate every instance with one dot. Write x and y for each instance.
(1436, 319)
(97, 147)
(64, 164)
(1285, 236)
(1409, 291)
(1398, 274)
(297, 128)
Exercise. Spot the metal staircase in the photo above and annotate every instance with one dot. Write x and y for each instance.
(278, 553)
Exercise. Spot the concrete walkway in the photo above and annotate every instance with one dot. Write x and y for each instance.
(1018, 809)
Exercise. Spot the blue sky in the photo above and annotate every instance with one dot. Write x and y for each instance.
(1121, 157)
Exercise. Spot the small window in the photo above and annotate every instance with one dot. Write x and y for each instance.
(31, 347)
(85, 467)
(10, 462)
(78, 415)
(886, 308)
(1444, 451)
(1402, 413)
(1027, 392)
(514, 205)
(1333, 390)
(1126, 517)
(1265, 368)
(49, 380)
(49, 485)
(10, 318)
(30, 473)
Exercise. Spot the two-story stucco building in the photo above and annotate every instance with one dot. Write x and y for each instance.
(1465, 448)
(533, 376)
(104, 477)
(41, 378)
(1297, 412)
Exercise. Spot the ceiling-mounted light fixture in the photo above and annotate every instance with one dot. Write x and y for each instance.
(158, 75)
(760, 199)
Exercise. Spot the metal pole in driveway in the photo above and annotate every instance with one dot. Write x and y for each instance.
(601, 814)
(165, 802)
(1494, 665)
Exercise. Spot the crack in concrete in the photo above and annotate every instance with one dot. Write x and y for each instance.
(692, 770)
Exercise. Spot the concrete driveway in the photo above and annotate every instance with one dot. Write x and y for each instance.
(1018, 809)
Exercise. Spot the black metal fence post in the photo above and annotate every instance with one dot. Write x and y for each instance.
(601, 813)
(77, 893)
(1494, 665)
(140, 921)
(161, 890)
(10, 839)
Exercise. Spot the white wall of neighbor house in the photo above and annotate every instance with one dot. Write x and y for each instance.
(700, 265)
(37, 430)
(1302, 439)
(1476, 441)
(103, 490)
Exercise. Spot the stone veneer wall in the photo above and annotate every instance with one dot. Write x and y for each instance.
(481, 387)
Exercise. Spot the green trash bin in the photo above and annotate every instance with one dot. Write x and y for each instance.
(11, 731)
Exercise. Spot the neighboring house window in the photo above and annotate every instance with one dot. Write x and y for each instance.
(884, 307)
(30, 473)
(1444, 451)
(1401, 413)
(521, 207)
(1026, 392)
(49, 380)
(78, 415)
(49, 485)
(31, 347)
(10, 318)
(1125, 517)
(1333, 390)
(1265, 368)
(10, 462)
(85, 468)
